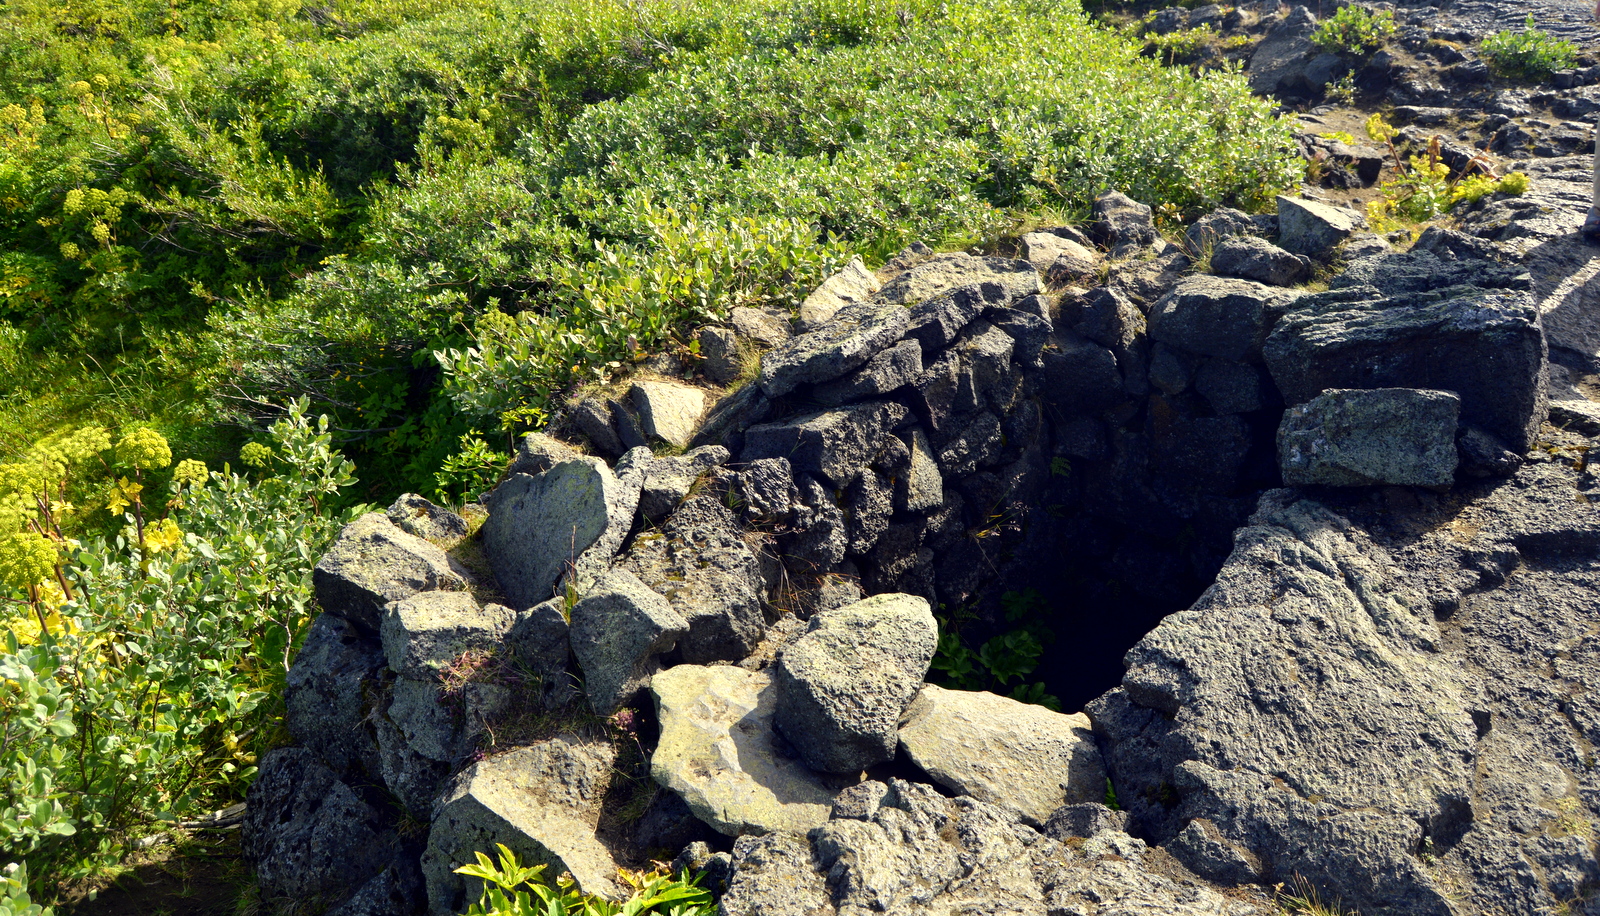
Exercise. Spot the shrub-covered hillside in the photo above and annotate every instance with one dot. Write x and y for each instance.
(432, 218)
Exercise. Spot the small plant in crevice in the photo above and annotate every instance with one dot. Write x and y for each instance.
(511, 889)
(1527, 54)
(1301, 898)
(1355, 31)
(1007, 657)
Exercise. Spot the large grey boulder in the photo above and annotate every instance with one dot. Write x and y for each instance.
(843, 685)
(1018, 756)
(756, 325)
(766, 491)
(372, 563)
(419, 517)
(427, 632)
(423, 735)
(1314, 229)
(1123, 223)
(1375, 696)
(947, 272)
(919, 852)
(854, 335)
(1081, 377)
(1211, 229)
(1278, 64)
(834, 443)
(1218, 316)
(720, 358)
(541, 801)
(1058, 258)
(325, 697)
(619, 631)
(1250, 258)
(1352, 438)
(568, 521)
(699, 561)
(855, 283)
(717, 752)
(668, 411)
(309, 835)
(1487, 346)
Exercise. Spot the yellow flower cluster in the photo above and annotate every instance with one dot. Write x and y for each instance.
(191, 472)
(255, 454)
(26, 559)
(144, 448)
(162, 535)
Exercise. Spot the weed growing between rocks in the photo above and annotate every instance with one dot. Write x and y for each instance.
(1528, 54)
(513, 890)
(1424, 187)
(1355, 31)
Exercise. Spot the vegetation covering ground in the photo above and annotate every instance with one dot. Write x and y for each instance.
(222, 220)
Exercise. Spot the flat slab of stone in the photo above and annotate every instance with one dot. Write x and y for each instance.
(372, 563)
(1353, 438)
(946, 272)
(1057, 258)
(853, 284)
(1485, 345)
(716, 751)
(1314, 229)
(426, 632)
(572, 518)
(1022, 757)
(542, 801)
(669, 411)
(619, 631)
(855, 334)
(844, 683)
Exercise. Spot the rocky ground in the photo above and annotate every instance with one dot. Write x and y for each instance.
(1384, 691)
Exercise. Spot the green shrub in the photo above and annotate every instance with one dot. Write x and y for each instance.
(1354, 30)
(1527, 54)
(140, 674)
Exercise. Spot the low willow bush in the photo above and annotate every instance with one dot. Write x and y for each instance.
(140, 674)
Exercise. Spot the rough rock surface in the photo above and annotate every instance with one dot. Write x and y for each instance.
(668, 410)
(1018, 756)
(310, 835)
(426, 632)
(700, 563)
(373, 563)
(569, 520)
(856, 334)
(326, 708)
(1314, 229)
(542, 801)
(1354, 438)
(1353, 701)
(853, 284)
(923, 853)
(619, 631)
(420, 518)
(843, 685)
(1485, 345)
(717, 751)
(1216, 316)
(1250, 258)
(947, 272)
